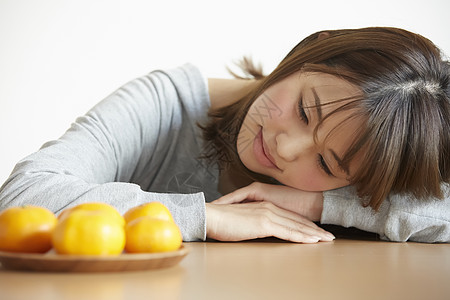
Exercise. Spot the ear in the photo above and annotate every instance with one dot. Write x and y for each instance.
(323, 35)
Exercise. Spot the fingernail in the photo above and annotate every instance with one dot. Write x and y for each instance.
(331, 236)
(312, 239)
(327, 239)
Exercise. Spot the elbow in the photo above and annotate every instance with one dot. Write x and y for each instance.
(417, 229)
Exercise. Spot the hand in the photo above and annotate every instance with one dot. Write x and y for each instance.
(307, 204)
(243, 221)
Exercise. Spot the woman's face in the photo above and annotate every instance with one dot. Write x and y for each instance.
(277, 136)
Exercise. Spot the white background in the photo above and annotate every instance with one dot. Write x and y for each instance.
(58, 57)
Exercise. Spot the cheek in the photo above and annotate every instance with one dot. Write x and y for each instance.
(244, 142)
(305, 178)
(313, 184)
(268, 108)
(311, 179)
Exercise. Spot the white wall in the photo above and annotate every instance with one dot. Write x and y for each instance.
(59, 57)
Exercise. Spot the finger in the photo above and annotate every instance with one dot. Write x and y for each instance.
(236, 196)
(295, 222)
(304, 229)
(290, 234)
(284, 213)
(252, 192)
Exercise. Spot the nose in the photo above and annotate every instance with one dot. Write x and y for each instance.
(291, 147)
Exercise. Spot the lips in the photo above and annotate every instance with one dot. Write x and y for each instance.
(261, 152)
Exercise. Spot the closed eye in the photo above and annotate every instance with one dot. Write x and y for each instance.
(301, 111)
(323, 165)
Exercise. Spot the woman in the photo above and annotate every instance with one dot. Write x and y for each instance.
(366, 108)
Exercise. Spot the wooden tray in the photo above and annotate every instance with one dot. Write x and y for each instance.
(52, 262)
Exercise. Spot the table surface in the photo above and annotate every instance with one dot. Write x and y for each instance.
(261, 269)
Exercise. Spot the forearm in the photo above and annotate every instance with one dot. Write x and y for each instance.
(59, 191)
(343, 207)
(400, 217)
(315, 207)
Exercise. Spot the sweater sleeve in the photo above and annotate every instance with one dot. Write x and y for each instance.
(400, 218)
(97, 159)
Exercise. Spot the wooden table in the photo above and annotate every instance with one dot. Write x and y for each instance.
(262, 269)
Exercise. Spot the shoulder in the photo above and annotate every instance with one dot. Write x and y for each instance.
(186, 79)
(218, 92)
(185, 83)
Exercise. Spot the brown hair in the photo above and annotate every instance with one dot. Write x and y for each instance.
(406, 105)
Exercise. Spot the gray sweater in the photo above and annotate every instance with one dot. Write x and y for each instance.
(142, 144)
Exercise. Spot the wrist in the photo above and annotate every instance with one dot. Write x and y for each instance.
(209, 220)
(316, 207)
